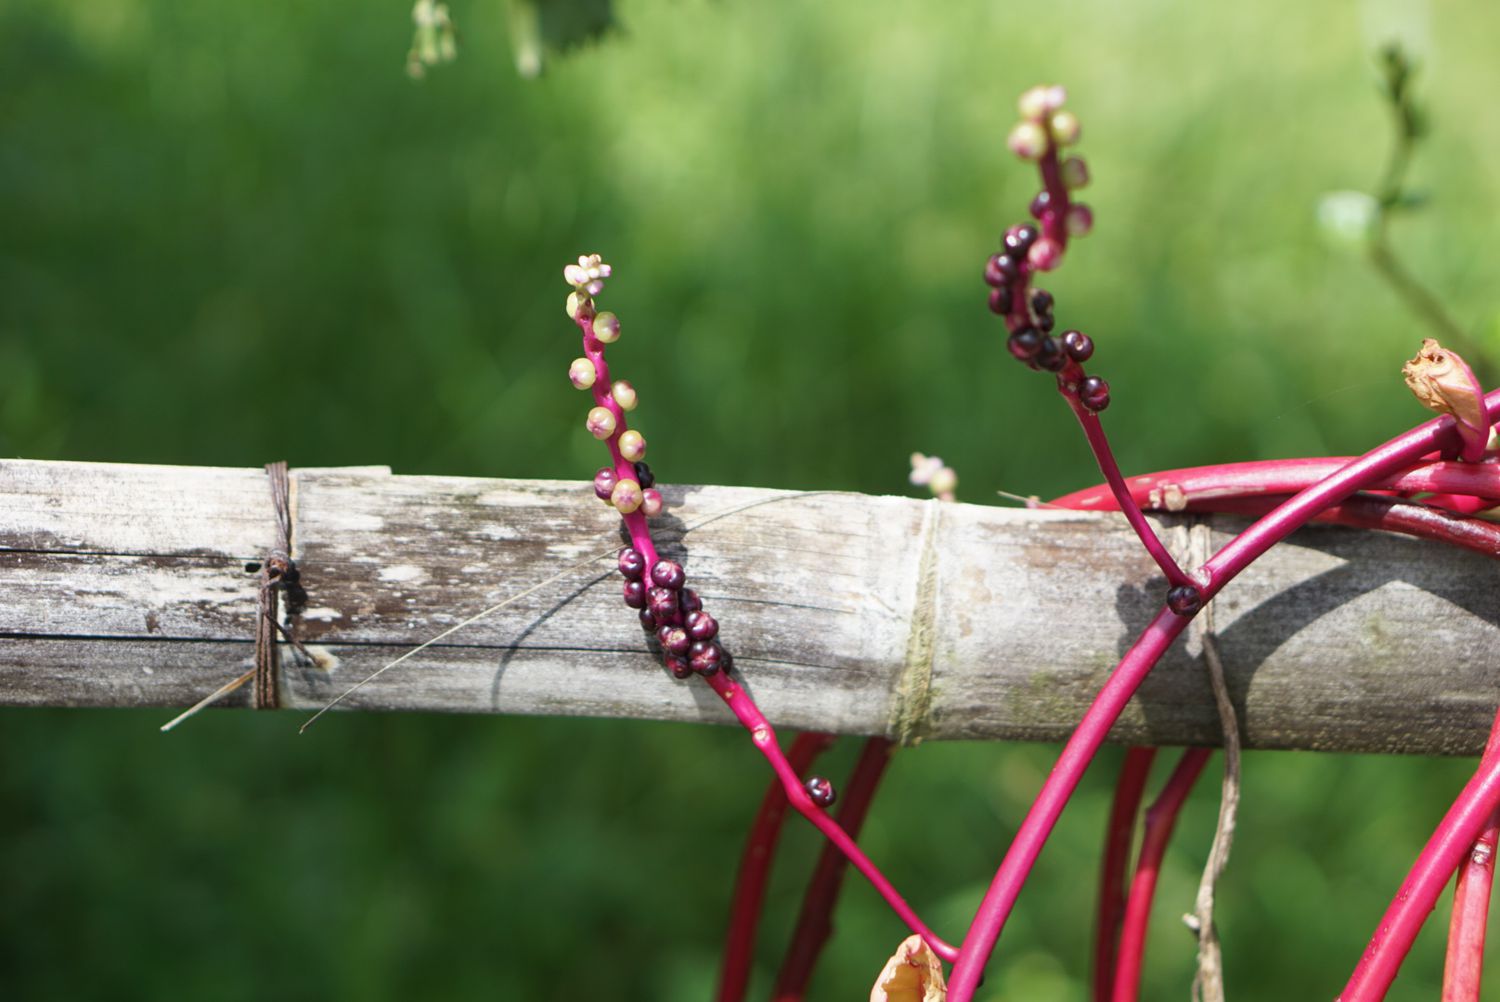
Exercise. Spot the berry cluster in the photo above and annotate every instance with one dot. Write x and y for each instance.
(674, 614)
(669, 611)
(1027, 249)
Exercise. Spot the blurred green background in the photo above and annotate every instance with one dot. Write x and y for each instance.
(236, 232)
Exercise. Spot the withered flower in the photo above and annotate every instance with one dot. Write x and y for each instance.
(1443, 382)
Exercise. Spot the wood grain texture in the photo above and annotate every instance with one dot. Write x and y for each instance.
(128, 585)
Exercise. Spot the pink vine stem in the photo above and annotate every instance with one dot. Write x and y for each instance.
(1130, 787)
(755, 867)
(815, 923)
(739, 702)
(999, 900)
(1169, 488)
(764, 738)
(1453, 839)
(1463, 968)
(1161, 818)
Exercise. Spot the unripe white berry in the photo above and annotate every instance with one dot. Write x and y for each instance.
(632, 445)
(582, 373)
(624, 395)
(1027, 140)
(1066, 128)
(601, 423)
(607, 327)
(626, 497)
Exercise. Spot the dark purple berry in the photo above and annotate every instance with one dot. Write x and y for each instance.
(1041, 301)
(673, 639)
(632, 564)
(1018, 240)
(1079, 345)
(678, 666)
(1000, 300)
(644, 476)
(663, 604)
(821, 791)
(668, 574)
(648, 621)
(726, 661)
(992, 273)
(635, 594)
(1094, 393)
(705, 657)
(700, 625)
(604, 483)
(1041, 203)
(1184, 600)
(1006, 265)
(1025, 343)
(1051, 355)
(1046, 322)
(690, 601)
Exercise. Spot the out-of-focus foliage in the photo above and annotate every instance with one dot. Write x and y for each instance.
(232, 233)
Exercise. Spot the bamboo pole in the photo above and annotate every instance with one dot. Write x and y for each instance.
(137, 586)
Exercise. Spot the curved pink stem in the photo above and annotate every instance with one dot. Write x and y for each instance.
(1119, 835)
(815, 923)
(1164, 490)
(1463, 969)
(1445, 850)
(764, 737)
(755, 867)
(1099, 445)
(1161, 818)
(998, 901)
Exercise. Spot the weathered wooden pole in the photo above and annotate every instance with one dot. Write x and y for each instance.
(137, 585)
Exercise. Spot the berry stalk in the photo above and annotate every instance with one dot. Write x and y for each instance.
(685, 634)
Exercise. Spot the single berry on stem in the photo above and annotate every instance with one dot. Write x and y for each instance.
(821, 791)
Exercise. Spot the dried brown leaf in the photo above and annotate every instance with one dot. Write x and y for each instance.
(913, 974)
(1442, 381)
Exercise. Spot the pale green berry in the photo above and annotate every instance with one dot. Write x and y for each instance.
(580, 305)
(601, 423)
(1066, 128)
(943, 482)
(1075, 172)
(632, 445)
(607, 327)
(582, 373)
(1027, 140)
(624, 395)
(626, 497)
